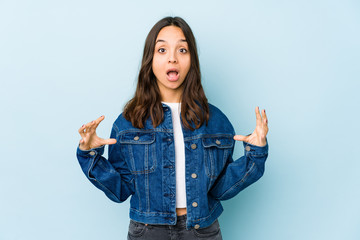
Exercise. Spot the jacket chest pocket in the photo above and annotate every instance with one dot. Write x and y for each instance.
(216, 152)
(139, 147)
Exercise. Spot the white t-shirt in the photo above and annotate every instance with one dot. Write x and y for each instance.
(179, 154)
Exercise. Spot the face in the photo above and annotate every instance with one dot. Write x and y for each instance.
(171, 62)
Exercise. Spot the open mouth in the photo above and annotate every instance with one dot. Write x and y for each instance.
(173, 74)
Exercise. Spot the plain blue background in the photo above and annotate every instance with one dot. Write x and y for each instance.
(65, 63)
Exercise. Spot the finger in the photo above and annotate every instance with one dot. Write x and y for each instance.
(109, 141)
(91, 127)
(95, 123)
(265, 119)
(240, 138)
(258, 116)
(87, 126)
(82, 144)
(81, 131)
(99, 120)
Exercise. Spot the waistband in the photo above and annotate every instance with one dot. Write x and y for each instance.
(181, 218)
(181, 222)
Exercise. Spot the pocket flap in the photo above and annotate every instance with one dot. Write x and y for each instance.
(218, 141)
(137, 137)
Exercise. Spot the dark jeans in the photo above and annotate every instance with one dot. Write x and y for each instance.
(172, 232)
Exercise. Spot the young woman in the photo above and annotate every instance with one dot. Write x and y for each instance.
(170, 150)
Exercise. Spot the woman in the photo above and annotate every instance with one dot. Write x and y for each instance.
(170, 150)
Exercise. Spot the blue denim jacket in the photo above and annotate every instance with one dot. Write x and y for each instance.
(142, 165)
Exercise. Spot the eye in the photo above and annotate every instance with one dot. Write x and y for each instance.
(161, 50)
(183, 50)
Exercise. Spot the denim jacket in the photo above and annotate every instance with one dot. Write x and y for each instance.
(142, 165)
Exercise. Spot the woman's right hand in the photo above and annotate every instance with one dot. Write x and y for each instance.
(89, 139)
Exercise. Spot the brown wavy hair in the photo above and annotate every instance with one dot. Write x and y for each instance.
(147, 99)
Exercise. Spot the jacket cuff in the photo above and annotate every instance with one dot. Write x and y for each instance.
(254, 150)
(91, 152)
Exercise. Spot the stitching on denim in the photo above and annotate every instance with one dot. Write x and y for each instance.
(212, 170)
(116, 131)
(213, 143)
(147, 191)
(209, 154)
(146, 131)
(186, 139)
(141, 233)
(137, 191)
(256, 154)
(210, 213)
(247, 174)
(146, 160)
(132, 159)
(146, 213)
(90, 167)
(206, 162)
(154, 158)
(225, 156)
(105, 188)
(208, 135)
(109, 191)
(206, 235)
(139, 141)
(132, 142)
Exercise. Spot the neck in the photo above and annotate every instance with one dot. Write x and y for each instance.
(171, 98)
(171, 95)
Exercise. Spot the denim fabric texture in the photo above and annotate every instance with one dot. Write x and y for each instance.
(139, 231)
(142, 165)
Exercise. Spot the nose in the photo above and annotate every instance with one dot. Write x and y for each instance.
(172, 57)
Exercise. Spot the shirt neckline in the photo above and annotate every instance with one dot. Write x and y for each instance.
(171, 103)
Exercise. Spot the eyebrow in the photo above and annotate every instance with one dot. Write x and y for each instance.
(161, 40)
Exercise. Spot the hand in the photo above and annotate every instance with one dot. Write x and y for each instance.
(258, 137)
(90, 139)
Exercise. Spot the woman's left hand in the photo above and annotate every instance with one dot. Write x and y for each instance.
(258, 137)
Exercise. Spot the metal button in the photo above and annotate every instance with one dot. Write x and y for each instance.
(136, 138)
(247, 148)
(166, 109)
(92, 153)
(194, 175)
(193, 146)
(197, 226)
(194, 204)
(217, 142)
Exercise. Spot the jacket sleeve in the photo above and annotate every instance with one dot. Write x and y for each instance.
(110, 176)
(239, 174)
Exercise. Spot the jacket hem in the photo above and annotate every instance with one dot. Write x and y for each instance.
(161, 218)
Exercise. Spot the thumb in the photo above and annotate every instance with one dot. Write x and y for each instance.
(109, 141)
(240, 138)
